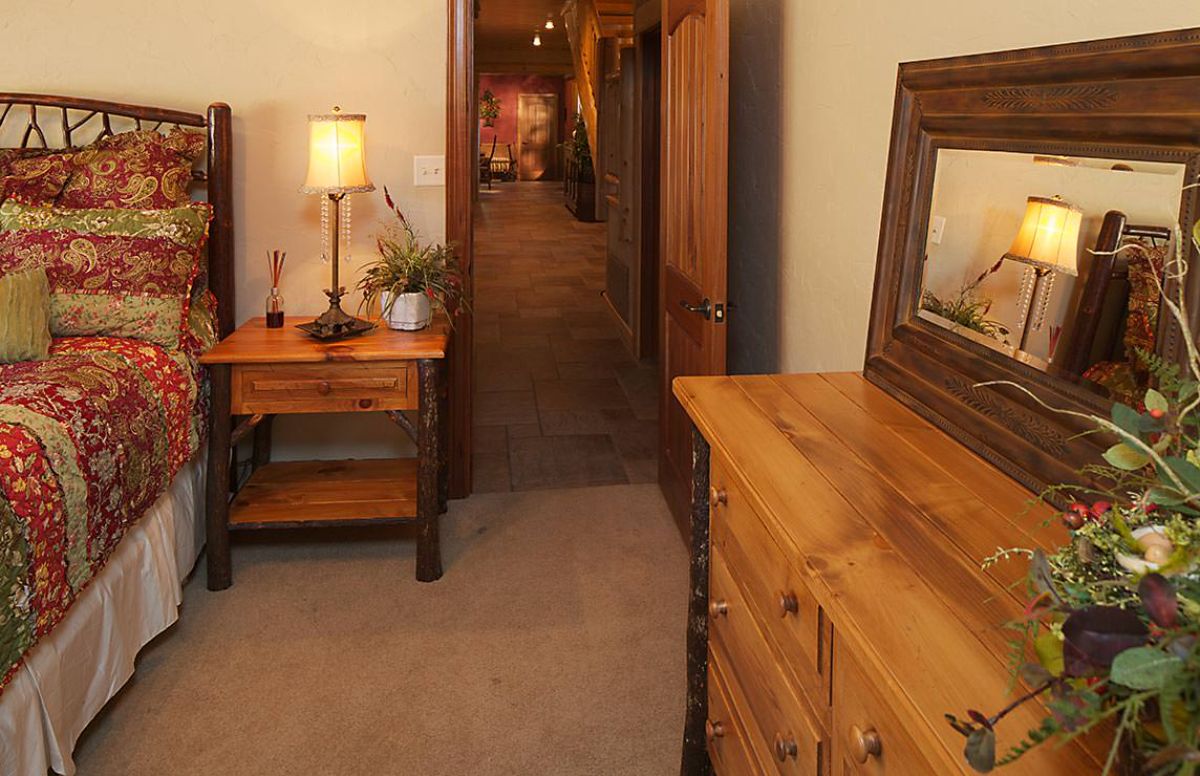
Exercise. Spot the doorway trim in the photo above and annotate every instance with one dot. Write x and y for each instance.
(461, 172)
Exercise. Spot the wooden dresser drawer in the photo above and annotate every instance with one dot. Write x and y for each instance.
(868, 737)
(327, 387)
(787, 612)
(783, 735)
(728, 746)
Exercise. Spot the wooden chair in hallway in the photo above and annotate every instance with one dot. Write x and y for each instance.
(485, 165)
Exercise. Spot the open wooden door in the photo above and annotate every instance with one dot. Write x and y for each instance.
(694, 175)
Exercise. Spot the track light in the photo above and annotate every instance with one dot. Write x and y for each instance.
(549, 23)
(537, 38)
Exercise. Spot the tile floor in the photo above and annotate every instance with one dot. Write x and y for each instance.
(559, 402)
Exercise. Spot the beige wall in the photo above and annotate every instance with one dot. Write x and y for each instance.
(273, 61)
(838, 76)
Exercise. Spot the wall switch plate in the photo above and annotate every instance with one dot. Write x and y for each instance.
(429, 170)
(937, 229)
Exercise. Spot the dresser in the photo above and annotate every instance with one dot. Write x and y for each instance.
(839, 604)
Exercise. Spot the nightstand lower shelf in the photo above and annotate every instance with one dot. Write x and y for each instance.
(329, 493)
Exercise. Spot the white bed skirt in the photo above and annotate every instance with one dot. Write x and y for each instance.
(69, 675)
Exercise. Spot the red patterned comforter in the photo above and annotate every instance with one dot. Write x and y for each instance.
(89, 439)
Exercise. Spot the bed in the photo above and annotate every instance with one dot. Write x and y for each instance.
(101, 446)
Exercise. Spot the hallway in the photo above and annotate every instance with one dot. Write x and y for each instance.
(559, 402)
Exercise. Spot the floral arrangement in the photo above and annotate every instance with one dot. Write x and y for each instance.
(1113, 617)
(405, 266)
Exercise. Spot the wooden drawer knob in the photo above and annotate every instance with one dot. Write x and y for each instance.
(788, 604)
(365, 404)
(717, 496)
(713, 729)
(785, 748)
(324, 388)
(718, 608)
(865, 744)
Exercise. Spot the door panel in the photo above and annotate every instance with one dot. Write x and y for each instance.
(537, 135)
(694, 191)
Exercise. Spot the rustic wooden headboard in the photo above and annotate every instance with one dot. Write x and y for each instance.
(67, 122)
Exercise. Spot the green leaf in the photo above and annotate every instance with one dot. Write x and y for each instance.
(981, 750)
(1186, 471)
(1122, 456)
(1049, 650)
(1145, 668)
(1166, 497)
(1156, 401)
(1128, 419)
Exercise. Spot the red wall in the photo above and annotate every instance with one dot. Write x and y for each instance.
(506, 88)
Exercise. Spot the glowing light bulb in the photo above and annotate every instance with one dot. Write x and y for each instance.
(549, 23)
(537, 39)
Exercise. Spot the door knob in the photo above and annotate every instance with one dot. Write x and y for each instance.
(704, 308)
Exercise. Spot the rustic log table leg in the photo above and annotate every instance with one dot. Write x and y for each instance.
(262, 442)
(220, 571)
(443, 440)
(429, 554)
(695, 760)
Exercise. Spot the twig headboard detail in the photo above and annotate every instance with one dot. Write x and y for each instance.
(73, 121)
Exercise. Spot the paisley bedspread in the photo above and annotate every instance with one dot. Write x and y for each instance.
(89, 439)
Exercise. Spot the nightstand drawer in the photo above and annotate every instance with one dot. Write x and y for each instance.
(330, 387)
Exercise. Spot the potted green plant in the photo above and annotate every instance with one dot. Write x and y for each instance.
(410, 279)
(580, 180)
(1111, 633)
(489, 108)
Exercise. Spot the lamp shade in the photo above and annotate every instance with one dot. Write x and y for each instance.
(1049, 236)
(337, 154)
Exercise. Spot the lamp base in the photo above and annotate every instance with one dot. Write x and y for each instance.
(335, 324)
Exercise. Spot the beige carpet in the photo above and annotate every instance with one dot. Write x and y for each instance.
(553, 645)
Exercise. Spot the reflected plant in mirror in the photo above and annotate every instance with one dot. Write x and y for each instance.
(1052, 260)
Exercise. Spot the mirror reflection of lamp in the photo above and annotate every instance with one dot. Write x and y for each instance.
(1047, 244)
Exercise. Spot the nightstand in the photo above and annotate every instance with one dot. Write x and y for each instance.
(257, 373)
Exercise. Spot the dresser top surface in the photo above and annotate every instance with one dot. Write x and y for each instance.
(892, 520)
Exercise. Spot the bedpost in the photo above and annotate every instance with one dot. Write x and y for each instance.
(220, 196)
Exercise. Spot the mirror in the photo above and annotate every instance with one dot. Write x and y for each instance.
(1051, 260)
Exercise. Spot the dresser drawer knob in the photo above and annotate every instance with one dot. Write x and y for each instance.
(717, 496)
(865, 744)
(785, 748)
(713, 729)
(788, 604)
(365, 403)
(718, 608)
(324, 388)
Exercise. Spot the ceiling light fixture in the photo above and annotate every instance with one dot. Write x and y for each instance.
(549, 23)
(537, 38)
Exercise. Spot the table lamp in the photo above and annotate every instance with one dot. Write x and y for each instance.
(336, 168)
(1047, 243)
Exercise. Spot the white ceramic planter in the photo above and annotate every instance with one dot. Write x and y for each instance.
(410, 312)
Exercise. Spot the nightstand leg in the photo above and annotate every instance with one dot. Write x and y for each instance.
(220, 572)
(429, 433)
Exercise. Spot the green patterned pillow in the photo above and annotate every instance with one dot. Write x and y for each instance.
(115, 273)
(25, 322)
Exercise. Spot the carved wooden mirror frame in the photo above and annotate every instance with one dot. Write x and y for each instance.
(1133, 98)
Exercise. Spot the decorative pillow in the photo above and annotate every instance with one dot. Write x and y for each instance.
(31, 177)
(120, 273)
(134, 170)
(25, 316)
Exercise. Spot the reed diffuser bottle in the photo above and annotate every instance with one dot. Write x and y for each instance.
(275, 300)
